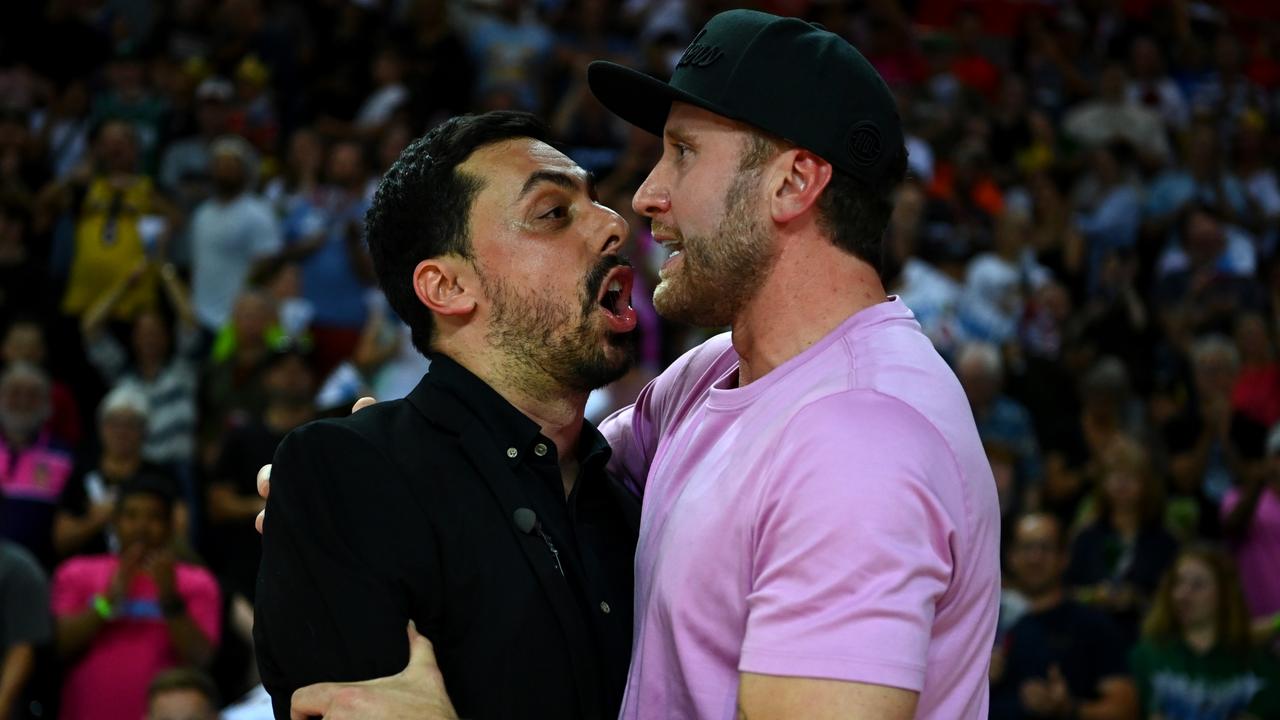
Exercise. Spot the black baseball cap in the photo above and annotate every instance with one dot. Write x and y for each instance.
(791, 78)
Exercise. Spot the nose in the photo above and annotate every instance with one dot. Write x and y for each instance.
(615, 229)
(652, 198)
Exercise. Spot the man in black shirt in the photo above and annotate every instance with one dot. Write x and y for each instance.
(1062, 659)
(478, 507)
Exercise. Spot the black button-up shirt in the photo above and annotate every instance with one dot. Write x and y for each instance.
(595, 546)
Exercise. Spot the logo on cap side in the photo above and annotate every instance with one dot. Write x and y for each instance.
(699, 55)
(864, 143)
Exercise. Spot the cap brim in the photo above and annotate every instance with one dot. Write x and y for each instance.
(638, 98)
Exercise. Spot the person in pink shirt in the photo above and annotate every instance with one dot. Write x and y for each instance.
(122, 619)
(1251, 522)
(820, 529)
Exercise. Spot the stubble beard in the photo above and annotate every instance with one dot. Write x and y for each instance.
(549, 348)
(720, 273)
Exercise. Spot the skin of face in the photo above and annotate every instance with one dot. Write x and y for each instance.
(142, 520)
(1036, 556)
(184, 704)
(542, 248)
(708, 209)
(1195, 593)
(122, 433)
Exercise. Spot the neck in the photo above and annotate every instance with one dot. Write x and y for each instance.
(282, 418)
(1046, 600)
(149, 367)
(558, 412)
(811, 289)
(1201, 638)
(119, 465)
(1125, 521)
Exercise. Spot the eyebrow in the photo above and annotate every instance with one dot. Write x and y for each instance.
(565, 180)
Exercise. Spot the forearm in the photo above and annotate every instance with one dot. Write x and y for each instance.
(177, 293)
(189, 640)
(227, 506)
(18, 664)
(75, 632)
(70, 533)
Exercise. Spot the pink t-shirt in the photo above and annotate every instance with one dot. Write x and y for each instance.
(835, 519)
(109, 681)
(1258, 553)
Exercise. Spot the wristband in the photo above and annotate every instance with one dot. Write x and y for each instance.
(102, 606)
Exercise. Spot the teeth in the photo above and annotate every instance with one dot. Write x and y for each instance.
(615, 286)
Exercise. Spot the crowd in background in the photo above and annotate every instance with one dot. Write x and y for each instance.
(1089, 233)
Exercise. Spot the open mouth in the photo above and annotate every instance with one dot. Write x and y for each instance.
(615, 299)
(674, 249)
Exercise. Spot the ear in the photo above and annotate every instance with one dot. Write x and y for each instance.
(443, 285)
(802, 178)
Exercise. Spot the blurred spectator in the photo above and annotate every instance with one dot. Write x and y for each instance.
(182, 694)
(120, 219)
(130, 98)
(24, 342)
(64, 128)
(230, 385)
(235, 547)
(511, 49)
(25, 625)
(1195, 661)
(1110, 211)
(336, 268)
(253, 114)
(1256, 394)
(185, 169)
(1251, 523)
(304, 163)
(122, 618)
(1002, 421)
(232, 233)
(437, 59)
(34, 467)
(1203, 179)
(160, 363)
(389, 95)
(1152, 88)
(24, 272)
(1112, 117)
(1118, 558)
(1203, 454)
(81, 524)
(1061, 659)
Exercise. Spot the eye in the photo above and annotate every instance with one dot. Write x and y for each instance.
(681, 149)
(558, 212)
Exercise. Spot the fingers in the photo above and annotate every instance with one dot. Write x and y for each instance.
(264, 481)
(422, 653)
(258, 521)
(363, 403)
(311, 700)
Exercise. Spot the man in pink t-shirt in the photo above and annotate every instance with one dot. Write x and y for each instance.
(820, 529)
(1251, 521)
(121, 619)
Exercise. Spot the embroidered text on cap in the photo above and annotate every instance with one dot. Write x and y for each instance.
(699, 55)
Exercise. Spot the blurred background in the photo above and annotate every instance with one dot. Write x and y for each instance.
(1088, 234)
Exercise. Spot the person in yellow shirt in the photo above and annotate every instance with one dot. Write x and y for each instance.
(121, 219)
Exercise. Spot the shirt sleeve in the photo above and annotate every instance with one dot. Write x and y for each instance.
(267, 237)
(24, 603)
(634, 431)
(853, 545)
(71, 589)
(204, 602)
(329, 605)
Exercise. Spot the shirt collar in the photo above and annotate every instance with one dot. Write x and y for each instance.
(510, 430)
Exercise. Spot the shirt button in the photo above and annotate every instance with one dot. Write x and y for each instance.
(512, 452)
(540, 449)
(604, 607)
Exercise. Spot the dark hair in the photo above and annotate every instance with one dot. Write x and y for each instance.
(149, 484)
(854, 215)
(1232, 621)
(423, 203)
(184, 678)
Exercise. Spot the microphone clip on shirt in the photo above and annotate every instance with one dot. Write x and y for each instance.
(527, 521)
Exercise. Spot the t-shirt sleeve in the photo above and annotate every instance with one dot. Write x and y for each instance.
(72, 588)
(634, 431)
(853, 547)
(204, 602)
(267, 237)
(24, 603)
